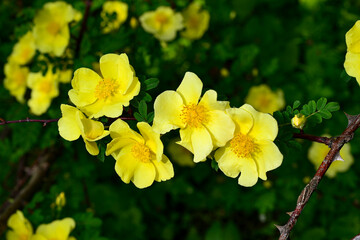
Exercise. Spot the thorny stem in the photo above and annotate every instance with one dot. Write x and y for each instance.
(313, 138)
(336, 144)
(83, 27)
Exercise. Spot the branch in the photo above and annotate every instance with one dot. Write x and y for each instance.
(336, 145)
(83, 27)
(325, 140)
(46, 121)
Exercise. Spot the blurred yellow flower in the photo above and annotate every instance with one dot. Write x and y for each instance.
(139, 158)
(21, 228)
(163, 23)
(56, 230)
(318, 151)
(60, 200)
(65, 75)
(15, 80)
(24, 50)
(51, 27)
(133, 22)
(196, 21)
(203, 124)
(264, 100)
(179, 154)
(118, 8)
(352, 58)
(74, 124)
(98, 96)
(252, 151)
(44, 89)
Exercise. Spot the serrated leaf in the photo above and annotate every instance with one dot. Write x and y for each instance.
(151, 83)
(321, 103)
(296, 104)
(325, 114)
(312, 106)
(332, 106)
(139, 117)
(143, 108)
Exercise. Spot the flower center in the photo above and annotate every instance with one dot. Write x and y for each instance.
(141, 152)
(194, 115)
(45, 86)
(264, 101)
(26, 53)
(243, 146)
(106, 88)
(161, 18)
(194, 22)
(53, 28)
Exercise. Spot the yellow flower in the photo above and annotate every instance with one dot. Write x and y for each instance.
(196, 21)
(111, 7)
(318, 151)
(252, 151)
(264, 100)
(352, 58)
(24, 50)
(15, 80)
(60, 200)
(21, 227)
(203, 124)
(98, 96)
(51, 29)
(133, 22)
(139, 158)
(65, 75)
(179, 154)
(73, 124)
(162, 22)
(44, 89)
(57, 230)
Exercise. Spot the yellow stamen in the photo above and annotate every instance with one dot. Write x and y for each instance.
(243, 146)
(106, 88)
(141, 152)
(194, 115)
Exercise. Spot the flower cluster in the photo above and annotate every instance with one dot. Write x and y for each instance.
(21, 229)
(120, 10)
(49, 35)
(352, 58)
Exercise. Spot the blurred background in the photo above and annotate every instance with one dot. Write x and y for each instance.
(296, 47)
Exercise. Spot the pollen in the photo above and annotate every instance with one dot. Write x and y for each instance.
(106, 88)
(194, 115)
(141, 152)
(243, 146)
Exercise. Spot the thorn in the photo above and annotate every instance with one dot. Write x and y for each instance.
(280, 228)
(338, 157)
(351, 118)
(2, 121)
(289, 213)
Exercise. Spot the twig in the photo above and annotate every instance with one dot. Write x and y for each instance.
(46, 121)
(313, 138)
(336, 145)
(83, 27)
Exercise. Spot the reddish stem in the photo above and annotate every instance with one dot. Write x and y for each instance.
(313, 138)
(83, 27)
(46, 121)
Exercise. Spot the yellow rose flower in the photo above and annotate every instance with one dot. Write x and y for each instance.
(203, 124)
(352, 58)
(264, 100)
(196, 21)
(15, 80)
(139, 158)
(318, 151)
(21, 227)
(74, 124)
(65, 75)
(56, 230)
(111, 7)
(44, 89)
(105, 96)
(51, 27)
(162, 22)
(252, 151)
(24, 50)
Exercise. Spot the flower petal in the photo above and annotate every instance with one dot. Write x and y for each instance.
(144, 175)
(118, 143)
(270, 153)
(201, 143)
(152, 139)
(164, 169)
(91, 147)
(209, 101)
(126, 164)
(242, 119)
(120, 129)
(220, 126)
(85, 80)
(351, 64)
(167, 110)
(227, 161)
(190, 88)
(352, 38)
(68, 128)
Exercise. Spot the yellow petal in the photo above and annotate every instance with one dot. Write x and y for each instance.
(265, 126)
(113, 110)
(201, 143)
(144, 175)
(249, 175)
(243, 120)
(164, 169)
(120, 129)
(94, 110)
(67, 125)
(19, 224)
(92, 129)
(352, 38)
(118, 143)
(167, 110)
(209, 101)
(126, 164)
(190, 88)
(221, 127)
(185, 136)
(152, 139)
(85, 81)
(351, 64)
(91, 147)
(270, 154)
(81, 99)
(58, 229)
(227, 162)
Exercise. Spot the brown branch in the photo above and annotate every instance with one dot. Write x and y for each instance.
(83, 27)
(46, 121)
(336, 145)
(313, 138)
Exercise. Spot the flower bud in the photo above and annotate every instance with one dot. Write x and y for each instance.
(298, 121)
(60, 200)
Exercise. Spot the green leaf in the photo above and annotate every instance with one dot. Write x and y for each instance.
(150, 83)
(317, 118)
(306, 110)
(325, 114)
(139, 117)
(101, 155)
(296, 104)
(332, 106)
(143, 108)
(278, 116)
(150, 117)
(214, 165)
(321, 103)
(312, 106)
